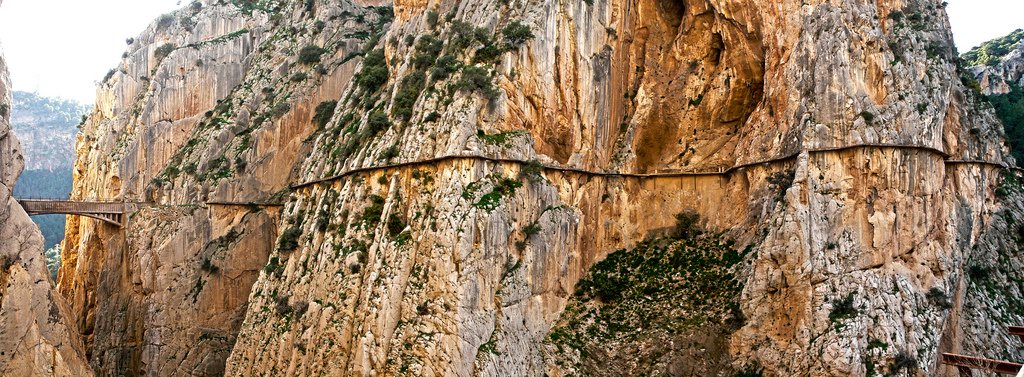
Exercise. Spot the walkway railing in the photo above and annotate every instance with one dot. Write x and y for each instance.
(965, 364)
(716, 172)
(108, 211)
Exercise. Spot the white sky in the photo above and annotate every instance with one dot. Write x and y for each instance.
(62, 47)
(976, 21)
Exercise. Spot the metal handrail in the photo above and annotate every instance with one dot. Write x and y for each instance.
(720, 171)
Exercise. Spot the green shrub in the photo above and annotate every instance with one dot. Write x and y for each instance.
(477, 79)
(299, 76)
(445, 67)
(427, 49)
(503, 188)
(842, 309)
(377, 122)
(311, 54)
(1010, 110)
(374, 73)
(532, 229)
(408, 93)
(489, 53)
(781, 181)
(164, 21)
(532, 170)
(280, 109)
(323, 113)
(903, 361)
(516, 34)
(390, 153)
(109, 75)
(289, 240)
(273, 266)
(371, 215)
(978, 273)
(396, 225)
(432, 18)
(163, 51)
(465, 35)
(869, 118)
(208, 266)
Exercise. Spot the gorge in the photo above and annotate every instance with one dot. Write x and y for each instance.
(513, 188)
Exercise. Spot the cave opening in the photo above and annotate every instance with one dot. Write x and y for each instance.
(672, 12)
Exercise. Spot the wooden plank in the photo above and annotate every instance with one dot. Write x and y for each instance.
(990, 365)
(1018, 331)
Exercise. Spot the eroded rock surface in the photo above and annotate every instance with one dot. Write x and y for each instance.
(450, 170)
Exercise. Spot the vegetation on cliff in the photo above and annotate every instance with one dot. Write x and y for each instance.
(1010, 109)
(991, 52)
(635, 302)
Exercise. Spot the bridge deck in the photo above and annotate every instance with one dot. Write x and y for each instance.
(110, 212)
(1018, 331)
(969, 362)
(39, 206)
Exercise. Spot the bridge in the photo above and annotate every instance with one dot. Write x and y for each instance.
(965, 364)
(107, 211)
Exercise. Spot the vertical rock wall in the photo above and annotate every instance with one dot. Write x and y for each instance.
(445, 180)
(197, 129)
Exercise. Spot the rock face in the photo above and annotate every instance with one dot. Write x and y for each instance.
(449, 172)
(198, 127)
(35, 338)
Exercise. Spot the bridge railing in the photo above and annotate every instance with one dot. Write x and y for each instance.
(79, 200)
(70, 207)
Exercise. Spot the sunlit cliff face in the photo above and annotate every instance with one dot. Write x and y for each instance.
(828, 149)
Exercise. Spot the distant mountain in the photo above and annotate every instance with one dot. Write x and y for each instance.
(998, 68)
(46, 127)
(997, 65)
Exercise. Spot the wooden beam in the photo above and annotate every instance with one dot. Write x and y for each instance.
(990, 365)
(1018, 331)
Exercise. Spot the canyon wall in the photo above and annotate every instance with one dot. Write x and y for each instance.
(35, 336)
(430, 187)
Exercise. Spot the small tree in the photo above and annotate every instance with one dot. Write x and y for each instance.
(289, 239)
(323, 113)
(163, 51)
(311, 54)
(516, 34)
(374, 73)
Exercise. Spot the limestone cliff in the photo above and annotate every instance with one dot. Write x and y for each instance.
(198, 128)
(35, 339)
(483, 187)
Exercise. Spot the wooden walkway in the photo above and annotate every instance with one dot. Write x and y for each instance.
(966, 364)
(114, 212)
(715, 172)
